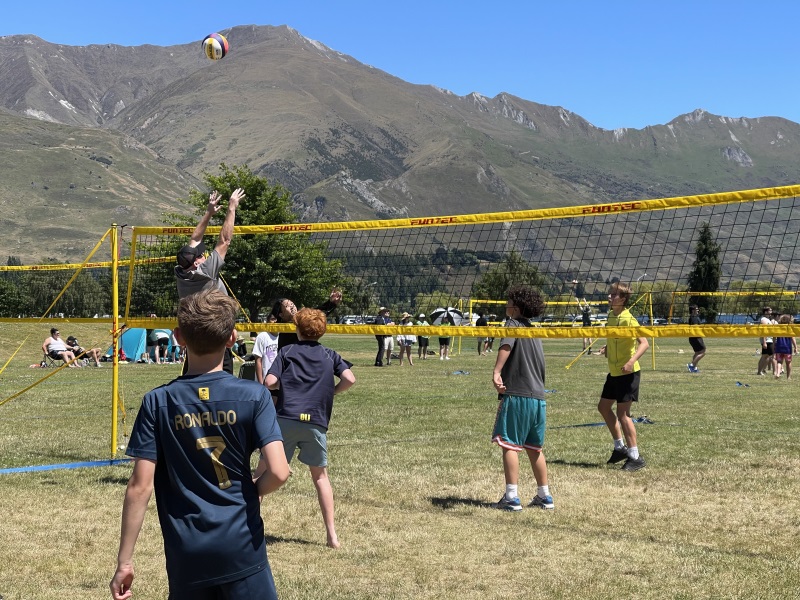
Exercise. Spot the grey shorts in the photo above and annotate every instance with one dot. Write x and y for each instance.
(311, 439)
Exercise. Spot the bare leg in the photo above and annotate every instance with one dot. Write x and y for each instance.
(605, 408)
(625, 421)
(325, 496)
(539, 466)
(511, 466)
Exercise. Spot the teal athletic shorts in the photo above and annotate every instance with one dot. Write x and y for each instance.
(520, 423)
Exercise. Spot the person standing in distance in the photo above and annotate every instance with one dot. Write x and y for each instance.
(622, 381)
(697, 343)
(483, 342)
(518, 379)
(767, 345)
(191, 442)
(194, 272)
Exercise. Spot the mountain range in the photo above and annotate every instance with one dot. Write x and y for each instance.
(107, 134)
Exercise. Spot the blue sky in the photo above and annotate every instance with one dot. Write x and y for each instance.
(616, 63)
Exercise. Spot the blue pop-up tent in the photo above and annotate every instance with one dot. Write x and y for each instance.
(134, 343)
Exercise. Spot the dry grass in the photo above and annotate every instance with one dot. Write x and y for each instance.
(715, 514)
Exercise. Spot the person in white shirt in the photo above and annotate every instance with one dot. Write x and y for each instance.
(265, 350)
(56, 348)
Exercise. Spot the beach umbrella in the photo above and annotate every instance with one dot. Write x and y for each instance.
(448, 314)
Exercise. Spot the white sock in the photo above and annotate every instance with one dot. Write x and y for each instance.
(543, 491)
(619, 444)
(633, 452)
(511, 491)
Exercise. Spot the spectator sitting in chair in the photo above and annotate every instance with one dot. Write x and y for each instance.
(55, 348)
(77, 350)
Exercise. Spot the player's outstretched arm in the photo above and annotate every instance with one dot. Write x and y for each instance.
(211, 209)
(226, 233)
(137, 496)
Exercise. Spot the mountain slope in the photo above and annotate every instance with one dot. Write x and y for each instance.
(350, 141)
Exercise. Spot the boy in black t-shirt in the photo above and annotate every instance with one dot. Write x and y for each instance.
(303, 375)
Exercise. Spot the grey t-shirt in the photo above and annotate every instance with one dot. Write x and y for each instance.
(523, 372)
(205, 277)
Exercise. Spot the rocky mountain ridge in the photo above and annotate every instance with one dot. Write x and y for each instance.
(349, 140)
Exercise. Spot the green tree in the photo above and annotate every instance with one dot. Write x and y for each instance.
(11, 301)
(705, 273)
(261, 268)
(514, 269)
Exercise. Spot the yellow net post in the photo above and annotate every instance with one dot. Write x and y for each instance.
(115, 338)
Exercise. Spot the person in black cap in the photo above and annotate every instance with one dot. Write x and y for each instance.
(194, 272)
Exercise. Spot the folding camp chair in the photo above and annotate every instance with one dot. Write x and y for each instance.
(49, 362)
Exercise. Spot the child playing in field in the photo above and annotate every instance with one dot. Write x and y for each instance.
(521, 418)
(622, 382)
(303, 375)
(192, 441)
(784, 348)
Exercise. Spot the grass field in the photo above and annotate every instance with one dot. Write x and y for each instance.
(714, 515)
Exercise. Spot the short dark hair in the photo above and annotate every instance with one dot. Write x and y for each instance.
(53, 330)
(528, 300)
(206, 320)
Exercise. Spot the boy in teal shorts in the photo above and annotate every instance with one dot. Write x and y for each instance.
(519, 380)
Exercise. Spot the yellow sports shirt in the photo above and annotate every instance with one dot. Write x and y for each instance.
(620, 350)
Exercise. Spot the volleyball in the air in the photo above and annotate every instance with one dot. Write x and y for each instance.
(215, 46)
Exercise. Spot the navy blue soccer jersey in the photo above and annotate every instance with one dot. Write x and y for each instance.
(306, 371)
(201, 430)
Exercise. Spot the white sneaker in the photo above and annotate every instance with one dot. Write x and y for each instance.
(447, 358)
(441, 358)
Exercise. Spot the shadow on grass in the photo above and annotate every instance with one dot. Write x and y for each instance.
(452, 502)
(572, 463)
(274, 539)
(114, 480)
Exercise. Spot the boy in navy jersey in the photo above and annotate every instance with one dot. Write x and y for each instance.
(192, 442)
(303, 375)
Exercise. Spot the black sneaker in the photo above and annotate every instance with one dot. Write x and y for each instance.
(618, 455)
(633, 464)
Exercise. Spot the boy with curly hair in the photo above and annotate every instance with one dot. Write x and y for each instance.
(521, 415)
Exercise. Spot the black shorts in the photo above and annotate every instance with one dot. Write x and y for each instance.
(698, 345)
(621, 389)
(768, 350)
(55, 355)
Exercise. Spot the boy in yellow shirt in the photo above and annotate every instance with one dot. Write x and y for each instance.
(622, 382)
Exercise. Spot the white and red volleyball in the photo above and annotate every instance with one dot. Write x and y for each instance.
(215, 46)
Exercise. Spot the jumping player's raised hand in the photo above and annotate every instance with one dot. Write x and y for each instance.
(213, 202)
(236, 196)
